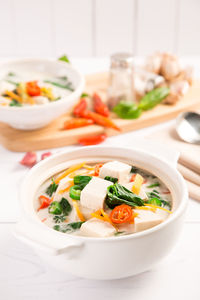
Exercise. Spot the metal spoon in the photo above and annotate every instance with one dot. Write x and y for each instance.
(188, 127)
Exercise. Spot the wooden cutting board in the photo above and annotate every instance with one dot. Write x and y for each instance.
(52, 136)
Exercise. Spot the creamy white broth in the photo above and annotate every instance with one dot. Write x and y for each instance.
(147, 215)
(7, 83)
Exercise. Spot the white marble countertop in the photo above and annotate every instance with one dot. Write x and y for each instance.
(23, 276)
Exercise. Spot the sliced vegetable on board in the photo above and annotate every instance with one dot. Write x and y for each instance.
(92, 140)
(100, 120)
(77, 123)
(99, 106)
(80, 108)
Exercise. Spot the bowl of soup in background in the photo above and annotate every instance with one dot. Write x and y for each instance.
(102, 258)
(32, 117)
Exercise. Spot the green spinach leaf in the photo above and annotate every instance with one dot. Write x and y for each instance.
(112, 179)
(66, 206)
(118, 194)
(70, 227)
(51, 188)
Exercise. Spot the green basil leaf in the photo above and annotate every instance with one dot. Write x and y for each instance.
(154, 97)
(64, 58)
(127, 110)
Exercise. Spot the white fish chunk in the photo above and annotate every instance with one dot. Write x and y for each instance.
(94, 193)
(146, 219)
(115, 169)
(97, 228)
(40, 100)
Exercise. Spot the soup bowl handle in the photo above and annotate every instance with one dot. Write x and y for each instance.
(42, 240)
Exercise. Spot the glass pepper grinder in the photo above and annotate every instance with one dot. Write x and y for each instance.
(121, 79)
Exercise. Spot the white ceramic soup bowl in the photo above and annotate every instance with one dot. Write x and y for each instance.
(101, 258)
(37, 116)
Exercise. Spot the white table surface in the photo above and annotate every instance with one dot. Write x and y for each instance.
(23, 276)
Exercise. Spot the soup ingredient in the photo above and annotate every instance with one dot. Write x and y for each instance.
(29, 159)
(100, 120)
(14, 96)
(64, 58)
(92, 140)
(118, 194)
(59, 219)
(33, 88)
(77, 123)
(45, 155)
(68, 228)
(82, 180)
(66, 206)
(62, 207)
(155, 201)
(112, 179)
(94, 193)
(153, 185)
(75, 192)
(115, 169)
(154, 97)
(97, 228)
(146, 219)
(55, 208)
(127, 110)
(51, 188)
(61, 82)
(137, 183)
(156, 198)
(80, 108)
(69, 171)
(44, 202)
(121, 214)
(78, 211)
(101, 215)
(97, 169)
(14, 103)
(99, 106)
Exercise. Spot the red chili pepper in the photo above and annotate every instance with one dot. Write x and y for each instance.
(92, 140)
(100, 120)
(44, 202)
(80, 108)
(33, 88)
(29, 159)
(77, 122)
(100, 107)
(45, 155)
(97, 169)
(121, 214)
(133, 178)
(166, 192)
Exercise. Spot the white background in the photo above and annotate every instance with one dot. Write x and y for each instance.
(84, 28)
